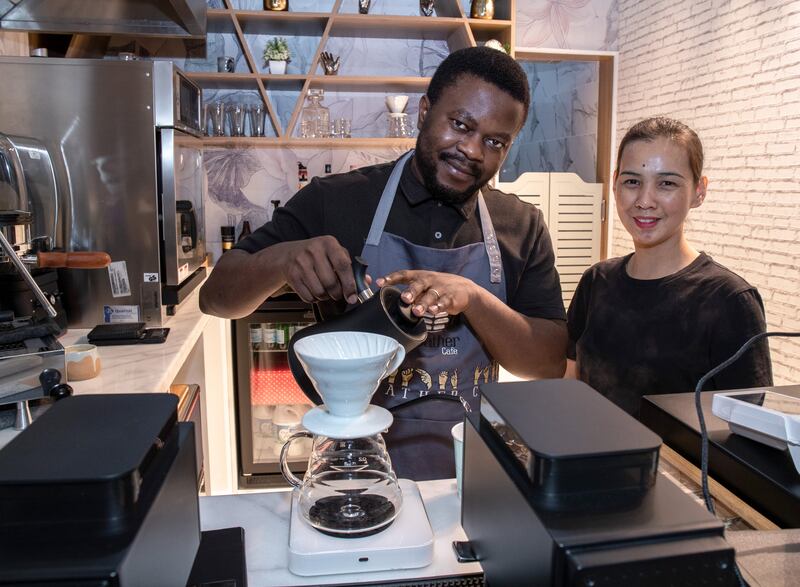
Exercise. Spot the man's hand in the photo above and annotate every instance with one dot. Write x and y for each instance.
(430, 291)
(318, 268)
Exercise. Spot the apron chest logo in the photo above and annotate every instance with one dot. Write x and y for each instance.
(448, 344)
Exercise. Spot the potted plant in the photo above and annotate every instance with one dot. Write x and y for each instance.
(276, 54)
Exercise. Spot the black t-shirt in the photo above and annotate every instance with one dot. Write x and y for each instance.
(343, 206)
(637, 337)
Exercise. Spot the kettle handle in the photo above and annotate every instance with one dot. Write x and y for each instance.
(290, 477)
(360, 275)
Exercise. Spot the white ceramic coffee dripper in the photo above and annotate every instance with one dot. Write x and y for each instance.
(347, 367)
(396, 104)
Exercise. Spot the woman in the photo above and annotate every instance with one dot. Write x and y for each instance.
(659, 318)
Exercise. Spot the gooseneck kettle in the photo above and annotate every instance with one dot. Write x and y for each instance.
(379, 313)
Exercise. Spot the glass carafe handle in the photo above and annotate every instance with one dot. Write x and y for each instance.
(287, 474)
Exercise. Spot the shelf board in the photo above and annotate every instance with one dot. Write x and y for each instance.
(254, 22)
(479, 24)
(220, 21)
(394, 27)
(368, 142)
(383, 84)
(283, 81)
(213, 80)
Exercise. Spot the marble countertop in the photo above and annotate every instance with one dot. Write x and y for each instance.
(144, 368)
(265, 519)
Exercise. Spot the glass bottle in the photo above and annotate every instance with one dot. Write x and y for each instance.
(316, 118)
(245, 230)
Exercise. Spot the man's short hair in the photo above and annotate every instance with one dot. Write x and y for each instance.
(490, 65)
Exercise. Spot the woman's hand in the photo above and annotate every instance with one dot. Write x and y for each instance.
(433, 292)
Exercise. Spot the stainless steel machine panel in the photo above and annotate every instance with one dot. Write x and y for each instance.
(182, 202)
(98, 120)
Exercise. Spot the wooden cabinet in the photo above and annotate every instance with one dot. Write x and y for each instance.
(414, 42)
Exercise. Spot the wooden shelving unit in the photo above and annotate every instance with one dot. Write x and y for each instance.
(450, 24)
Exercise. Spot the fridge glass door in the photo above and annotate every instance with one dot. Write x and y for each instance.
(270, 403)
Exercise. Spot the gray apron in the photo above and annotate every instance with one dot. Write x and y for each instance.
(439, 380)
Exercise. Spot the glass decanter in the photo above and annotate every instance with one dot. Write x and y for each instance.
(349, 489)
(315, 121)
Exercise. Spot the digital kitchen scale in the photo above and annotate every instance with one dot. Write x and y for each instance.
(406, 544)
(764, 416)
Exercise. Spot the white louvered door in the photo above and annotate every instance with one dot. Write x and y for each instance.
(572, 210)
(574, 223)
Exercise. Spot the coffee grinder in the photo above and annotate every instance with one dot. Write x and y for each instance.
(350, 513)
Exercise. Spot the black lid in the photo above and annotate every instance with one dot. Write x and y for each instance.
(227, 230)
(565, 418)
(89, 438)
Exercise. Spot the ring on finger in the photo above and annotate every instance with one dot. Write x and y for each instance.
(438, 295)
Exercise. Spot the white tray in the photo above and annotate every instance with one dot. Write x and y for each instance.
(762, 415)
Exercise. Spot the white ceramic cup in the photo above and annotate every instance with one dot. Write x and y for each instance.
(83, 362)
(458, 446)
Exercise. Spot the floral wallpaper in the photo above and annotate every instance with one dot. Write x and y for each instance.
(244, 184)
(567, 24)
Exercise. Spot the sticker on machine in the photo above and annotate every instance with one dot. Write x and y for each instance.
(114, 314)
(151, 277)
(118, 275)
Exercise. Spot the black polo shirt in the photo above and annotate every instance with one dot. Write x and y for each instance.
(343, 206)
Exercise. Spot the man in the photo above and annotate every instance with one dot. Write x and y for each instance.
(460, 247)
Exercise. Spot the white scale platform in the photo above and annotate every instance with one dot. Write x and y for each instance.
(406, 544)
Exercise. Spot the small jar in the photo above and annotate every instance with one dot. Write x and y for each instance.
(228, 234)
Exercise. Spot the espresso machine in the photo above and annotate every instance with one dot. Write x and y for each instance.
(350, 512)
(31, 359)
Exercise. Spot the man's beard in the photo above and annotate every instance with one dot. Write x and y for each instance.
(426, 162)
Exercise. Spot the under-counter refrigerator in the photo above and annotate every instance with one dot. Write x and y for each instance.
(269, 403)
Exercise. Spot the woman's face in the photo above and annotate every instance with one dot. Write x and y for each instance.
(654, 192)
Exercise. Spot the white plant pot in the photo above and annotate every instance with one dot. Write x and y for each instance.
(278, 67)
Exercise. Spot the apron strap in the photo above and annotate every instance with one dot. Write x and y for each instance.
(385, 206)
(490, 242)
(387, 198)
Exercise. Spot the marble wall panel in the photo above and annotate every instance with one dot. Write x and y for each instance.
(367, 111)
(567, 24)
(560, 133)
(301, 49)
(393, 7)
(394, 57)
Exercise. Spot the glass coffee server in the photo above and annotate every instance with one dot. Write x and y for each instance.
(269, 404)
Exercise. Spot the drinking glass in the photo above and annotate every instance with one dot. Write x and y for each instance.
(256, 114)
(217, 111)
(236, 119)
(336, 131)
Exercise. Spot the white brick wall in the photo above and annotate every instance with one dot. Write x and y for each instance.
(730, 69)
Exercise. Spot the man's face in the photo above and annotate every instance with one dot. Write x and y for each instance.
(464, 137)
